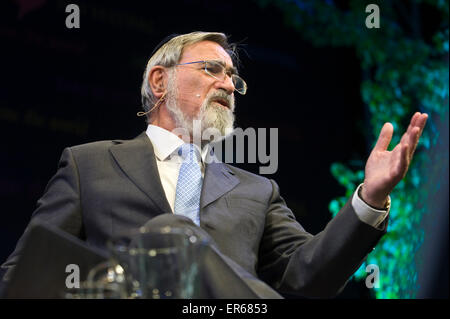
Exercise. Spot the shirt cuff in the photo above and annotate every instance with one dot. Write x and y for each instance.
(367, 214)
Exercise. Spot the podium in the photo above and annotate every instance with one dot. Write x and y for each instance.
(49, 255)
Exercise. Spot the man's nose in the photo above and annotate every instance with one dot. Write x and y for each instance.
(226, 85)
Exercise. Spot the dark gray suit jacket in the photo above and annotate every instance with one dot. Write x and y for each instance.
(104, 188)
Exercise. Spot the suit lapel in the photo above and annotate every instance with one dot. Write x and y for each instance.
(137, 159)
(219, 179)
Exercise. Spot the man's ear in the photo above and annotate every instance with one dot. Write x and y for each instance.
(157, 79)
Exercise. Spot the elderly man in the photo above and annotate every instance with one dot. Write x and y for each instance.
(104, 188)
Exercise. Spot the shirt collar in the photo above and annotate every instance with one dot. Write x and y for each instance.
(165, 142)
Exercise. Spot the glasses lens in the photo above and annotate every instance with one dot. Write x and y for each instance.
(215, 69)
(239, 84)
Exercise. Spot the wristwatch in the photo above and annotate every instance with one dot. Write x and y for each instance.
(387, 205)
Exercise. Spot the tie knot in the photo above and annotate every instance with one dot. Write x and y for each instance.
(188, 152)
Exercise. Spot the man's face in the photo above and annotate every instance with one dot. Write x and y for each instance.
(195, 95)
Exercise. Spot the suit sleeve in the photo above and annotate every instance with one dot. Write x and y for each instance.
(296, 262)
(59, 206)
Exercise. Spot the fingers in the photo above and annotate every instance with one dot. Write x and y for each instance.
(385, 137)
(410, 138)
(418, 120)
(400, 162)
(417, 132)
(410, 126)
(414, 139)
(405, 160)
(414, 119)
(414, 131)
(413, 123)
(422, 120)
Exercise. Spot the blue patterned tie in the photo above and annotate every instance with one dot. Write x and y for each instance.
(189, 185)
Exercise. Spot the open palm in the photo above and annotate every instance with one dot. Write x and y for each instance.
(384, 169)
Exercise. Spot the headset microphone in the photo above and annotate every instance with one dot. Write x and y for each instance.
(156, 105)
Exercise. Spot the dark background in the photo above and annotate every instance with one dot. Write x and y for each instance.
(61, 87)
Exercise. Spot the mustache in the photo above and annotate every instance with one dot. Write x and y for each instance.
(223, 96)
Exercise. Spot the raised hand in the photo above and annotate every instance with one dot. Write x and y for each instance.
(384, 169)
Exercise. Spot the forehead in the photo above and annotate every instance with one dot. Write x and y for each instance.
(205, 50)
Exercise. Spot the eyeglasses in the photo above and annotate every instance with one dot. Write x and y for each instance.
(217, 70)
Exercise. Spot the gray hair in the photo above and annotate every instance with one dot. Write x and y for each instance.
(170, 53)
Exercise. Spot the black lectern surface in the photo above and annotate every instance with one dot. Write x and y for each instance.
(41, 270)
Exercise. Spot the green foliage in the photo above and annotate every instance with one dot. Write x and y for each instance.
(404, 70)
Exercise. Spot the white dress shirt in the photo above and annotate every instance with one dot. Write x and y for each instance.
(166, 144)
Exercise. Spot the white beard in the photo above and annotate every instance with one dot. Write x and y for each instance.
(211, 115)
